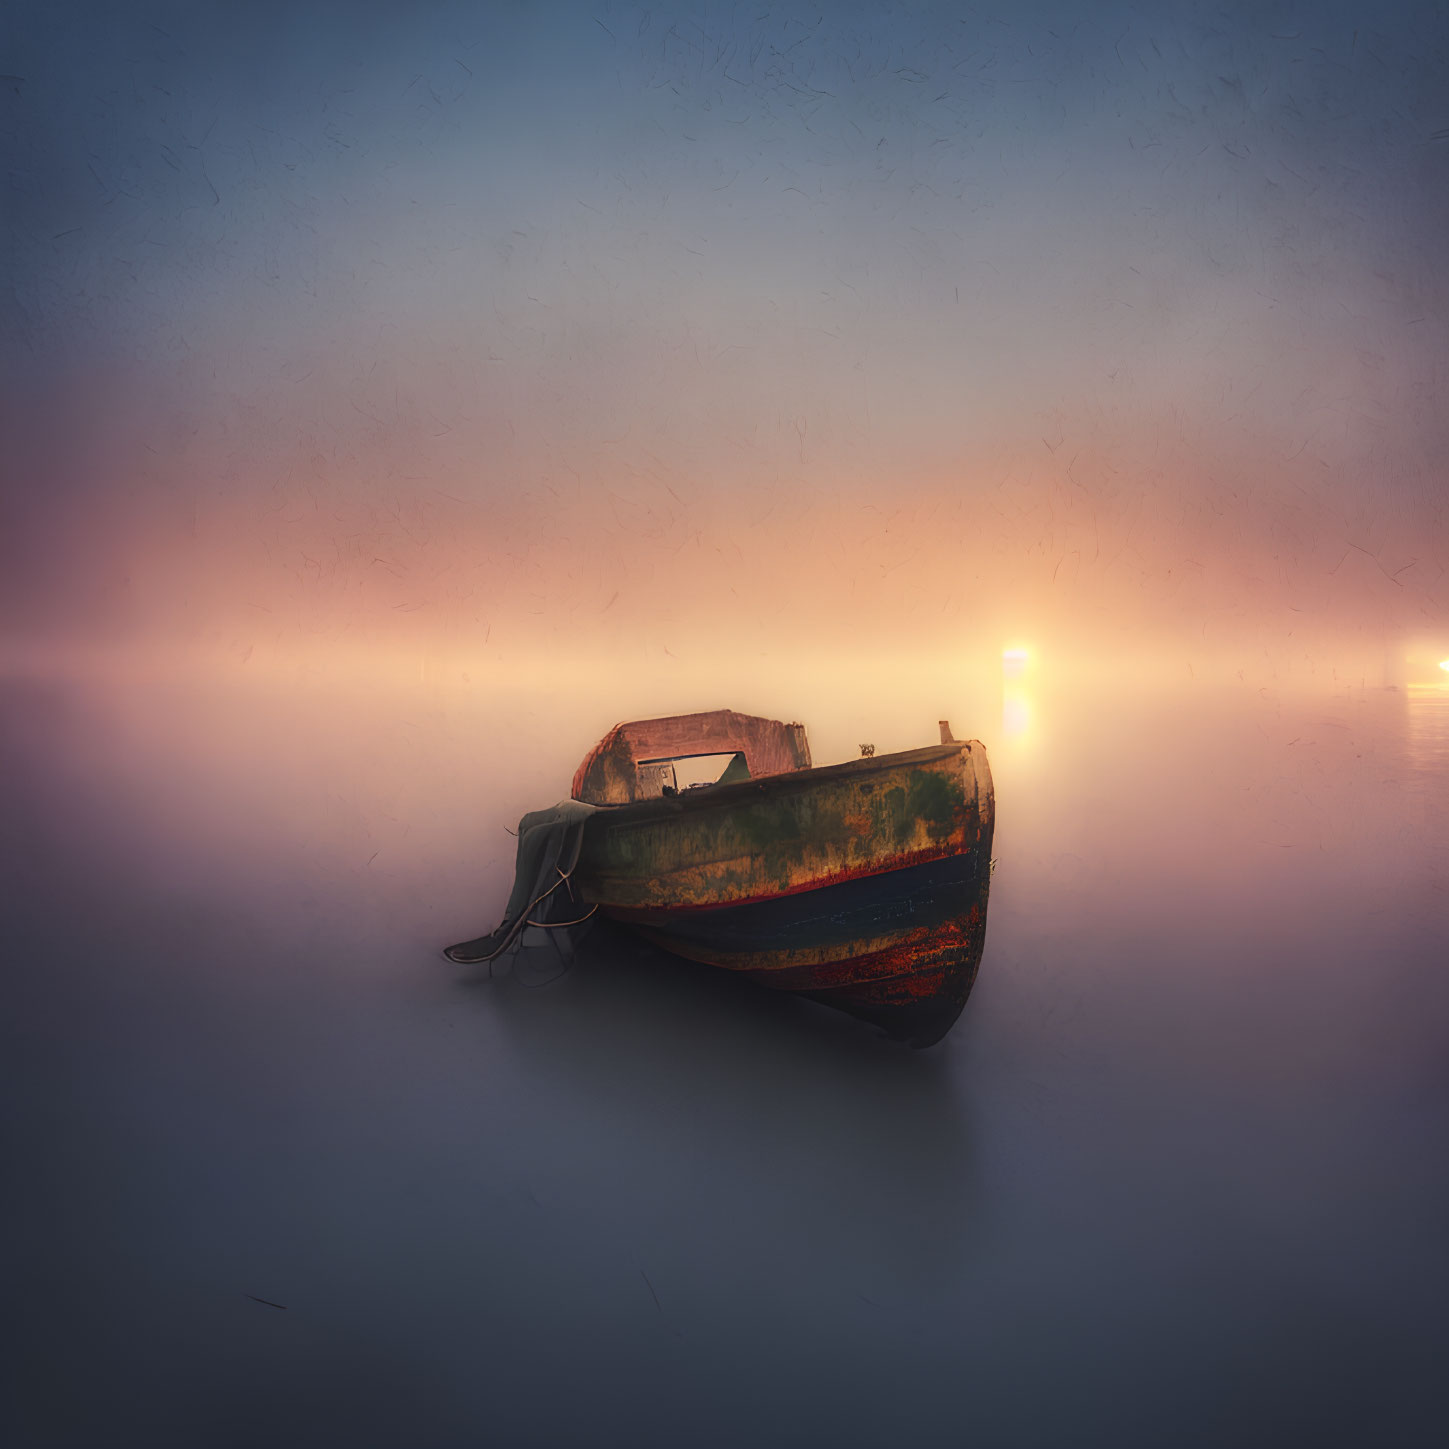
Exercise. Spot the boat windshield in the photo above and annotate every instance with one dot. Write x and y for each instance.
(690, 772)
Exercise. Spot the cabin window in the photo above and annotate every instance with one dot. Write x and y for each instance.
(655, 776)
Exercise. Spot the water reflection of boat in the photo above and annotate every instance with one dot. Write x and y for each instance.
(860, 885)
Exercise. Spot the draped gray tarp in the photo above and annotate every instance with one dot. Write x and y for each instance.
(549, 842)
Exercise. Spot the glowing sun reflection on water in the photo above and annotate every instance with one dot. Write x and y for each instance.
(1016, 702)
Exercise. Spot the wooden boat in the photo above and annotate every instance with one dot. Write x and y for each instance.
(860, 885)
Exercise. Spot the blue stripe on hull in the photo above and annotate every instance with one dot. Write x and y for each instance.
(914, 897)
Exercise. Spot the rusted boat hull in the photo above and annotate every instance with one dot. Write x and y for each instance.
(863, 886)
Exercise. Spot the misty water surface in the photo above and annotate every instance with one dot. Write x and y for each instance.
(1176, 1177)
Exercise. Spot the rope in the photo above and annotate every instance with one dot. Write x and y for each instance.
(523, 920)
(559, 925)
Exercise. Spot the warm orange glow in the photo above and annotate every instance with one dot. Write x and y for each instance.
(1444, 664)
(1015, 714)
(1016, 702)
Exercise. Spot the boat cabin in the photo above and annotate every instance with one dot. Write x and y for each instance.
(646, 759)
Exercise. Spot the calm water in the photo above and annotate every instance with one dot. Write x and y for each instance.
(1178, 1177)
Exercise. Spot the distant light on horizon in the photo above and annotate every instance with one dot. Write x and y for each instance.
(1014, 662)
(1444, 664)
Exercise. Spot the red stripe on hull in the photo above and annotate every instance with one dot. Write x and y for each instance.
(914, 967)
(914, 989)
